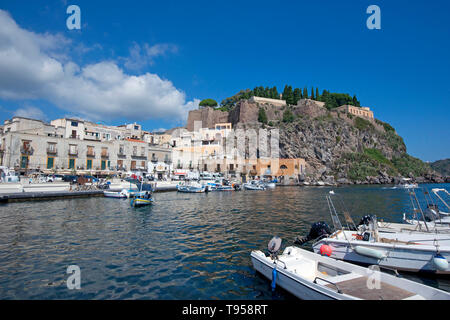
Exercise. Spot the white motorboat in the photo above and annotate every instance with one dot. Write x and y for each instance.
(115, 194)
(193, 188)
(270, 185)
(365, 244)
(412, 226)
(254, 185)
(406, 184)
(310, 276)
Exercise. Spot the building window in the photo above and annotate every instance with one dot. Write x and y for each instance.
(74, 124)
(50, 163)
(133, 165)
(24, 162)
(136, 127)
(89, 164)
(71, 163)
(103, 165)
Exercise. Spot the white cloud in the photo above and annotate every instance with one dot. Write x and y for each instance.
(143, 57)
(37, 66)
(30, 112)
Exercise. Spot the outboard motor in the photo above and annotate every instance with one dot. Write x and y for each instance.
(366, 220)
(318, 229)
(274, 246)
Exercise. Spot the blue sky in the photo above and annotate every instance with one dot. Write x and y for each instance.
(209, 49)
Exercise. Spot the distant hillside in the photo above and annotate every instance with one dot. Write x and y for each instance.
(337, 146)
(442, 167)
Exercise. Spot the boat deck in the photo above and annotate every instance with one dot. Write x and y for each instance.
(358, 288)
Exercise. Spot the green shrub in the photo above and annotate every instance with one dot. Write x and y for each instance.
(376, 155)
(363, 124)
(288, 116)
(262, 116)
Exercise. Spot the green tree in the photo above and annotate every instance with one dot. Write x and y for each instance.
(312, 93)
(305, 93)
(262, 116)
(297, 95)
(208, 103)
(317, 94)
(275, 94)
(288, 116)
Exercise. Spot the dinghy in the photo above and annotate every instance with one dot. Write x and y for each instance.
(191, 188)
(113, 194)
(310, 276)
(254, 185)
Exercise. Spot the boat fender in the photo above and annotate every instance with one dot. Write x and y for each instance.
(326, 250)
(274, 278)
(369, 252)
(440, 262)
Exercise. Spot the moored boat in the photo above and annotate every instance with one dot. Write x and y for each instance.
(191, 188)
(140, 199)
(254, 185)
(115, 194)
(308, 275)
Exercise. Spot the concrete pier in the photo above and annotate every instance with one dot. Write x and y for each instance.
(45, 196)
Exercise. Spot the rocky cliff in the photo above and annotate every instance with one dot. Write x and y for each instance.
(338, 147)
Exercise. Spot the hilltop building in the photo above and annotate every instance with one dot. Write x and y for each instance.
(364, 112)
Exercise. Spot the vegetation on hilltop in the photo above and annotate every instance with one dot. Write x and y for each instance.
(208, 103)
(292, 96)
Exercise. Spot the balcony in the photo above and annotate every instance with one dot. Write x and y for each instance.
(90, 154)
(154, 159)
(105, 154)
(52, 151)
(27, 150)
(140, 156)
(121, 153)
(73, 153)
(73, 136)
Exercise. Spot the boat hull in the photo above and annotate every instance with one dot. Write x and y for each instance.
(300, 288)
(399, 257)
(141, 202)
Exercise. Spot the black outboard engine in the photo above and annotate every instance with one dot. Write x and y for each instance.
(318, 229)
(366, 220)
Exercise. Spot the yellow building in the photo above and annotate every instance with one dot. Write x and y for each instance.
(364, 112)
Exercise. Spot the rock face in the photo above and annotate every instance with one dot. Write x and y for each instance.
(310, 108)
(208, 116)
(244, 112)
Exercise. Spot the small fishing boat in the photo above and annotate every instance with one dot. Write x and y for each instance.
(254, 185)
(193, 188)
(310, 276)
(115, 194)
(225, 188)
(140, 199)
(406, 184)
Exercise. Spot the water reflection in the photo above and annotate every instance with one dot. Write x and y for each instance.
(183, 247)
